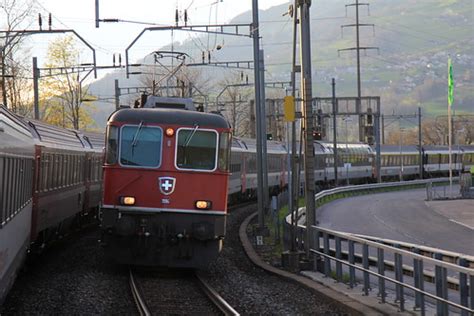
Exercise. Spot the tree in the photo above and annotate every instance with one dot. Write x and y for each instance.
(435, 132)
(234, 105)
(13, 55)
(62, 94)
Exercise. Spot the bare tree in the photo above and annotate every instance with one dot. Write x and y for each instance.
(435, 132)
(236, 105)
(14, 70)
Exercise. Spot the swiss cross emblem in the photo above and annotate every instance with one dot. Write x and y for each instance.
(166, 185)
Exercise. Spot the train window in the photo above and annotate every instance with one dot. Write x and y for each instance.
(196, 149)
(64, 172)
(111, 145)
(44, 172)
(60, 170)
(77, 167)
(69, 169)
(8, 187)
(140, 146)
(224, 151)
(2, 186)
(82, 166)
(21, 184)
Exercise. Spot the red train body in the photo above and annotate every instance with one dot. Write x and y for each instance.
(165, 187)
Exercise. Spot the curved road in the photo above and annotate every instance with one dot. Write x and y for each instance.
(405, 216)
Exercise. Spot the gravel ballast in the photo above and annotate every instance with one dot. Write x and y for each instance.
(71, 278)
(251, 290)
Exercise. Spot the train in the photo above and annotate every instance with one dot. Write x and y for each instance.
(168, 178)
(161, 203)
(50, 183)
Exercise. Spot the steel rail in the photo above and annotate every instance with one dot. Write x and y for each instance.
(139, 301)
(223, 306)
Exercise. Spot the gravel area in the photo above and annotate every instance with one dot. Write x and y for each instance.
(71, 278)
(251, 290)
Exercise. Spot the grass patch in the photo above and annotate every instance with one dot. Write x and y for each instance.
(275, 221)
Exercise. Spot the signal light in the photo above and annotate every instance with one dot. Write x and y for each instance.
(127, 200)
(169, 132)
(203, 205)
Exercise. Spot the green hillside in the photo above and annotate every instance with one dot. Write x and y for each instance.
(409, 69)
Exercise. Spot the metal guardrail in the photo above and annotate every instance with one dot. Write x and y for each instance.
(443, 277)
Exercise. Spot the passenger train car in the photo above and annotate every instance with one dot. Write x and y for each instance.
(165, 185)
(467, 157)
(400, 162)
(354, 163)
(17, 161)
(50, 180)
(436, 160)
(243, 168)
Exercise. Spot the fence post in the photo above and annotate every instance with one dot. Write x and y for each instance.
(338, 256)
(351, 261)
(441, 286)
(365, 263)
(471, 290)
(399, 277)
(419, 278)
(429, 191)
(463, 288)
(381, 271)
(317, 247)
(327, 262)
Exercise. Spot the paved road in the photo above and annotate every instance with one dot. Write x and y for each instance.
(405, 216)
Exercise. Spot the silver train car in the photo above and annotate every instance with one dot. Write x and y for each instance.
(17, 159)
(50, 182)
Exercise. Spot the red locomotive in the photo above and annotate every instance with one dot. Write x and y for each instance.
(165, 184)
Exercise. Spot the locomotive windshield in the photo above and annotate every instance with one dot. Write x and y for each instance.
(196, 149)
(140, 146)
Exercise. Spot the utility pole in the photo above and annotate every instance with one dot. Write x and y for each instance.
(36, 76)
(263, 130)
(306, 88)
(358, 48)
(383, 130)
(117, 94)
(420, 152)
(258, 105)
(4, 85)
(378, 155)
(294, 177)
(334, 123)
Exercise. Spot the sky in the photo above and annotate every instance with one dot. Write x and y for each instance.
(112, 38)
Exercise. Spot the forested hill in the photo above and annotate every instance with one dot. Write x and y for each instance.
(409, 69)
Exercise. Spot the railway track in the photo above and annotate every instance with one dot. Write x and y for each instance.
(176, 294)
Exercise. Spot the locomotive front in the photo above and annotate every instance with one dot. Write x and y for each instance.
(165, 187)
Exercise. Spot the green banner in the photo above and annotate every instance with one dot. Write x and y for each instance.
(450, 83)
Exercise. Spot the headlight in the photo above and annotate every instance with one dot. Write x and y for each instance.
(127, 200)
(203, 205)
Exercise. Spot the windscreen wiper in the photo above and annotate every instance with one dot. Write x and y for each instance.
(188, 139)
(135, 137)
